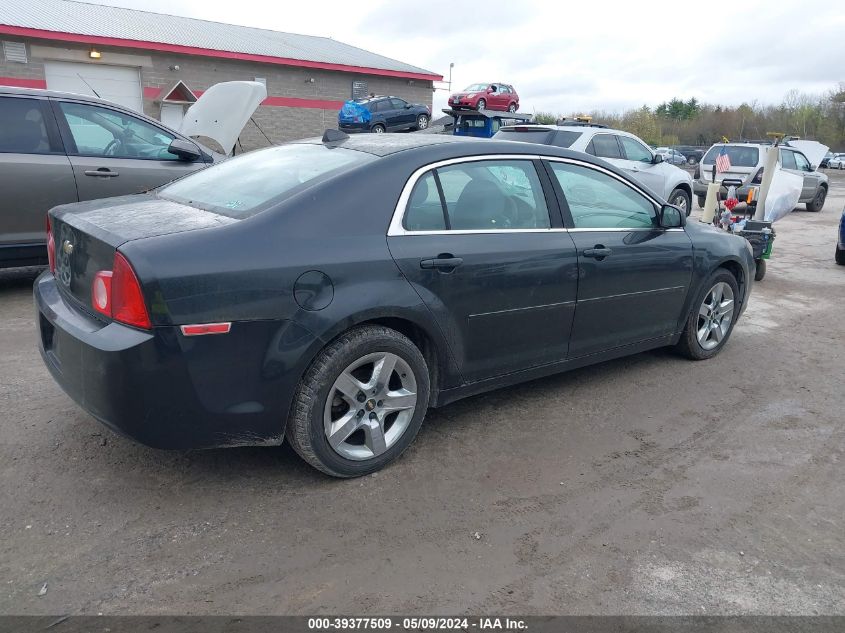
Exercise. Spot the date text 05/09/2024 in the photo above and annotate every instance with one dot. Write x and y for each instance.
(417, 624)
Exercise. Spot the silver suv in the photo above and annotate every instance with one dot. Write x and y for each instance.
(622, 149)
(57, 148)
(747, 168)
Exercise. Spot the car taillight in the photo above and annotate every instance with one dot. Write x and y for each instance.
(117, 294)
(51, 246)
(758, 177)
(697, 174)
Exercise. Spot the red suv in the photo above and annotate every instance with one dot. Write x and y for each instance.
(486, 97)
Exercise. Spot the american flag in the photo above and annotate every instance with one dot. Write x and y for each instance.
(723, 161)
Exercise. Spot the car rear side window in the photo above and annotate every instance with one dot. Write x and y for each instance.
(490, 195)
(22, 127)
(243, 186)
(604, 146)
(508, 133)
(599, 201)
(740, 156)
(425, 211)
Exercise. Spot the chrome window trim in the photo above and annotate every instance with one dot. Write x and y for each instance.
(396, 229)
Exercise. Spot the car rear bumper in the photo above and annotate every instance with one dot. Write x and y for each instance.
(354, 127)
(166, 390)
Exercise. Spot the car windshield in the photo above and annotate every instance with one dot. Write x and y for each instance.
(740, 155)
(476, 87)
(246, 185)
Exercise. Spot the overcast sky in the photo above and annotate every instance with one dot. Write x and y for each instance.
(612, 56)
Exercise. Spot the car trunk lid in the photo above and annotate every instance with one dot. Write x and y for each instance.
(87, 234)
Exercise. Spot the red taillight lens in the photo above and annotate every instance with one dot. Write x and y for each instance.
(51, 246)
(117, 294)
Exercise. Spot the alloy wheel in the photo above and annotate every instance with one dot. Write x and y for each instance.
(482, 104)
(715, 316)
(512, 107)
(680, 201)
(422, 122)
(370, 406)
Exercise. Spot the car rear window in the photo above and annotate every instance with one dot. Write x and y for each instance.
(559, 138)
(740, 156)
(244, 186)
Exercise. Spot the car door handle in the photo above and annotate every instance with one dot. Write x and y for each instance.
(442, 263)
(599, 252)
(103, 172)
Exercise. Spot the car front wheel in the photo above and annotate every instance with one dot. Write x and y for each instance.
(361, 403)
(818, 201)
(482, 104)
(681, 199)
(712, 318)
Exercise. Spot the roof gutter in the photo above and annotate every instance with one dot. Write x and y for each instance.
(60, 36)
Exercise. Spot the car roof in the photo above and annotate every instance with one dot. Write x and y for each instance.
(386, 144)
(38, 92)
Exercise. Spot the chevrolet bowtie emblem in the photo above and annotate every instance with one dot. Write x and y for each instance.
(67, 247)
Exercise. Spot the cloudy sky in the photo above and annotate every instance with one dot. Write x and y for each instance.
(611, 56)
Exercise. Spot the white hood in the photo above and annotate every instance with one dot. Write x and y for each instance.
(813, 150)
(223, 110)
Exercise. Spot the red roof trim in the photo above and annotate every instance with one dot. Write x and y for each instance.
(207, 52)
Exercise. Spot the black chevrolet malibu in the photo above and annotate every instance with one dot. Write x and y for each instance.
(331, 291)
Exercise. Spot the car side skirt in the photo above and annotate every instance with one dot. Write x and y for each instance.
(447, 396)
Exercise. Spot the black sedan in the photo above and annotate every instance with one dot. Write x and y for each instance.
(331, 291)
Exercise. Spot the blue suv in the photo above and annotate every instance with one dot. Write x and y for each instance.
(382, 114)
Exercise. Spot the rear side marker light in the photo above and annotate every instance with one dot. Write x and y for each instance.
(205, 328)
(51, 247)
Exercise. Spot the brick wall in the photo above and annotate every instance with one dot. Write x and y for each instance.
(279, 123)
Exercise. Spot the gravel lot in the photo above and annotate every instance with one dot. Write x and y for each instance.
(646, 485)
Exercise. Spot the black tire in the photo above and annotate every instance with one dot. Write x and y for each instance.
(305, 429)
(701, 201)
(840, 256)
(818, 201)
(378, 128)
(688, 344)
(760, 270)
(512, 108)
(422, 121)
(681, 198)
(482, 104)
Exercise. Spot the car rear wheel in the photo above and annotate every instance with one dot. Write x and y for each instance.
(840, 256)
(681, 199)
(711, 321)
(361, 403)
(818, 201)
(512, 108)
(422, 122)
(378, 128)
(482, 104)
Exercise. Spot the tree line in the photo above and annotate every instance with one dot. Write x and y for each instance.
(690, 122)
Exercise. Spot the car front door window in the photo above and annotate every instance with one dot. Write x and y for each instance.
(599, 201)
(801, 162)
(787, 160)
(634, 150)
(104, 132)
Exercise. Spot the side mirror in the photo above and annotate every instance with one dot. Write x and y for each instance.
(184, 149)
(671, 217)
(657, 159)
(408, 106)
(490, 90)
(813, 167)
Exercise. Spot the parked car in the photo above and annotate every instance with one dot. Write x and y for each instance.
(693, 153)
(840, 244)
(836, 162)
(486, 97)
(624, 150)
(824, 161)
(671, 156)
(382, 114)
(516, 261)
(747, 167)
(57, 148)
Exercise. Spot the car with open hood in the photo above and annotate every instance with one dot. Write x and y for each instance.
(328, 292)
(57, 148)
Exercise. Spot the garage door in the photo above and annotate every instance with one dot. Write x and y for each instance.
(119, 84)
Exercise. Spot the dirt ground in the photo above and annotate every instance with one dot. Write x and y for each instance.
(648, 485)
